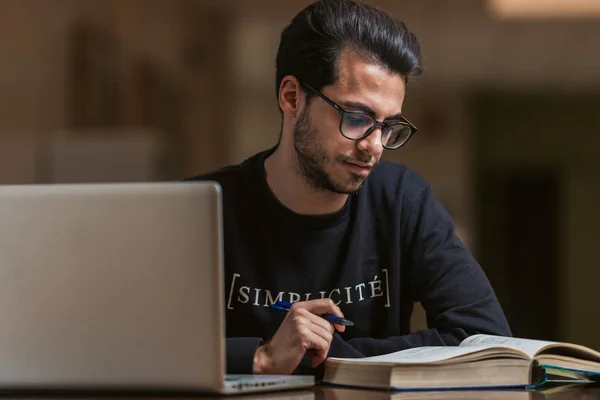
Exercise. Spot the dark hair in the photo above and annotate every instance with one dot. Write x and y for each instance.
(311, 44)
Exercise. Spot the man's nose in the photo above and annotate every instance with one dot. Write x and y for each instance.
(372, 144)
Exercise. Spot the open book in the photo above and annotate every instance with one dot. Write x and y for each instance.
(480, 361)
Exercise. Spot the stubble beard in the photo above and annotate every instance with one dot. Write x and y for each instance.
(312, 160)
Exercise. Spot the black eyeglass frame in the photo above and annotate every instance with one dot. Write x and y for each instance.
(383, 125)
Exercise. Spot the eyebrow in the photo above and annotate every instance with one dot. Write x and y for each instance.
(363, 107)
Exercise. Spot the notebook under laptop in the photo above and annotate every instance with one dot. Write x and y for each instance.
(116, 287)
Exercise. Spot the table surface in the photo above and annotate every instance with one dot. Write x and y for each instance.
(320, 392)
(327, 393)
(555, 394)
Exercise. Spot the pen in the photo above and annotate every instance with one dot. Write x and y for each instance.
(334, 319)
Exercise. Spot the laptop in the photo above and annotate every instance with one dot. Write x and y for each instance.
(116, 286)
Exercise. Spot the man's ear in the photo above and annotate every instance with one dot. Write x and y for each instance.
(290, 96)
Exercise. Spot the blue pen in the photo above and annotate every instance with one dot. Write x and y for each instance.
(334, 319)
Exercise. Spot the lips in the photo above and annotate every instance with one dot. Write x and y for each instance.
(367, 166)
(362, 169)
(360, 165)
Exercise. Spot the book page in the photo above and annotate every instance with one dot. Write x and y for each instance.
(420, 354)
(529, 346)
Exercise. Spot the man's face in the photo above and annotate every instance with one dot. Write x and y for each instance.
(326, 159)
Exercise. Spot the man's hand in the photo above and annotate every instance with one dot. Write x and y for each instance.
(302, 330)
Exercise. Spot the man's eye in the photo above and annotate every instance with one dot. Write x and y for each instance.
(357, 121)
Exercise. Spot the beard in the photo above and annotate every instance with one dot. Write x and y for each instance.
(313, 161)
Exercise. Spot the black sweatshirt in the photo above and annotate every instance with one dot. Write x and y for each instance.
(391, 244)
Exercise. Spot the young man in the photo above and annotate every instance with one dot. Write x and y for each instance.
(318, 221)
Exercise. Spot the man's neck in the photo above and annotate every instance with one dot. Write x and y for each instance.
(288, 186)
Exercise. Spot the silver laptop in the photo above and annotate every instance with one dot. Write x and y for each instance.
(116, 287)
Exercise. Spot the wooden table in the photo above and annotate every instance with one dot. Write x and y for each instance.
(328, 393)
(587, 393)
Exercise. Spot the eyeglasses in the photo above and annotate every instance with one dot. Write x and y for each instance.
(357, 125)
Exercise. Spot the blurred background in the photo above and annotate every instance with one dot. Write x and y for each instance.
(507, 110)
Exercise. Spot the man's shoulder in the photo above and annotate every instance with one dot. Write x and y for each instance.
(396, 180)
(221, 175)
(230, 176)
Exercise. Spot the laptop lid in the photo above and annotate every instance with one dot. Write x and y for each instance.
(111, 286)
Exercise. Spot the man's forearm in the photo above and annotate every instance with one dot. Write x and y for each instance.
(240, 354)
(366, 347)
(445, 334)
(448, 329)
